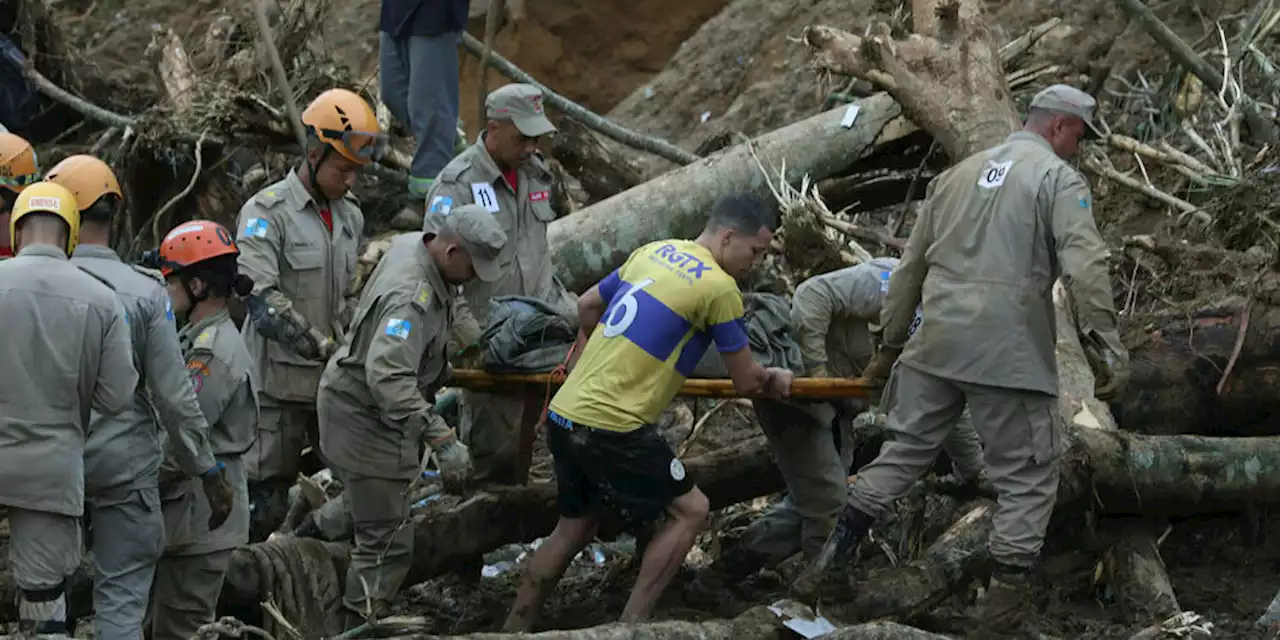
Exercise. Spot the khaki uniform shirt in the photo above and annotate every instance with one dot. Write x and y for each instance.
(220, 372)
(126, 450)
(285, 246)
(378, 389)
(473, 177)
(67, 353)
(996, 231)
(831, 316)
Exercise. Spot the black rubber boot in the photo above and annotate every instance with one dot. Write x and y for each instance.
(852, 526)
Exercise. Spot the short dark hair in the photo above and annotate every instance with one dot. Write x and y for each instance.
(744, 212)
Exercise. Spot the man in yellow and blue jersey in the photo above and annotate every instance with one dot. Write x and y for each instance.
(648, 323)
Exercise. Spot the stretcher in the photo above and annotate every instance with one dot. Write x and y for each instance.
(536, 389)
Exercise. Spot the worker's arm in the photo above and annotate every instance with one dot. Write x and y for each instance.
(591, 308)
(117, 378)
(1082, 255)
(725, 324)
(400, 334)
(172, 393)
(260, 241)
(907, 281)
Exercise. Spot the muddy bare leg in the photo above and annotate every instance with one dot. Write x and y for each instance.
(666, 552)
(544, 568)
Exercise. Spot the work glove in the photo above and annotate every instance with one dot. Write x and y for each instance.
(454, 460)
(217, 491)
(881, 365)
(1110, 365)
(778, 384)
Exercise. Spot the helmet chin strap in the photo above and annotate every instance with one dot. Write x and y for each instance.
(313, 168)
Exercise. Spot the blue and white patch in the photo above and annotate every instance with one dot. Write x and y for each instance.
(1084, 202)
(441, 205)
(256, 228)
(126, 316)
(168, 309)
(884, 281)
(397, 328)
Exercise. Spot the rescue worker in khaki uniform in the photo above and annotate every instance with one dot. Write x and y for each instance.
(67, 353)
(198, 261)
(122, 454)
(504, 174)
(299, 240)
(999, 228)
(376, 395)
(18, 168)
(812, 442)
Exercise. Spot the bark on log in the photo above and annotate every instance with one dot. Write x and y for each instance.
(601, 172)
(595, 240)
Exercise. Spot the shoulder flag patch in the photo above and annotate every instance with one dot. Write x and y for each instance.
(256, 228)
(398, 328)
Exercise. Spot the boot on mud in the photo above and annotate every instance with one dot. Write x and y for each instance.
(1011, 601)
(738, 562)
(833, 560)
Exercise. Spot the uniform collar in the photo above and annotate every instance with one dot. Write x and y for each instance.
(1027, 136)
(297, 193)
(96, 251)
(194, 329)
(46, 250)
(484, 164)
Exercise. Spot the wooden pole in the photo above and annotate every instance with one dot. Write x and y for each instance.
(802, 388)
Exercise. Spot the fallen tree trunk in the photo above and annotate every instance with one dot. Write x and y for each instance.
(601, 172)
(757, 623)
(457, 532)
(586, 247)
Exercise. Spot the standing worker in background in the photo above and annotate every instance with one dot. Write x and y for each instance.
(997, 230)
(376, 396)
(812, 442)
(67, 354)
(418, 74)
(298, 242)
(123, 453)
(18, 168)
(649, 323)
(198, 261)
(503, 173)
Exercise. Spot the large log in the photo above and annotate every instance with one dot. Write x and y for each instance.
(595, 240)
(458, 531)
(757, 623)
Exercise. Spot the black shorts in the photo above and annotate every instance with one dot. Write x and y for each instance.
(635, 473)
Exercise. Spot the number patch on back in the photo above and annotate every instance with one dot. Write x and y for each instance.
(994, 173)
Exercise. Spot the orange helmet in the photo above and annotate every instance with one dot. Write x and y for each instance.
(18, 165)
(345, 122)
(193, 242)
(87, 177)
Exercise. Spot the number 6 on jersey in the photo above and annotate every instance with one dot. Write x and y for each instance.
(624, 310)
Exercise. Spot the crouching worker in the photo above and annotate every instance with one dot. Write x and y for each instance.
(198, 261)
(649, 323)
(374, 415)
